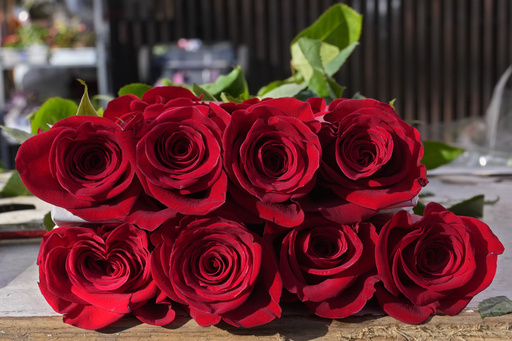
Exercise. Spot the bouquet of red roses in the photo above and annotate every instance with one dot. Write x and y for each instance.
(226, 210)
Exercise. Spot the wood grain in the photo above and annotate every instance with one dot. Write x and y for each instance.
(467, 326)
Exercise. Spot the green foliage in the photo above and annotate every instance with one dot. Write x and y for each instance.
(495, 306)
(85, 107)
(137, 89)
(339, 26)
(473, 207)
(14, 187)
(199, 91)
(318, 52)
(168, 82)
(438, 153)
(49, 224)
(53, 110)
(19, 135)
(233, 84)
(285, 90)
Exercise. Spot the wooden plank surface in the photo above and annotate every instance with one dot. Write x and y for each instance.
(468, 326)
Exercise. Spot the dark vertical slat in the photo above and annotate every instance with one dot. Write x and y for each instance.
(369, 44)
(167, 10)
(509, 29)
(435, 84)
(288, 33)
(448, 61)
(462, 58)
(314, 13)
(178, 31)
(354, 66)
(274, 17)
(382, 48)
(206, 20)
(475, 58)
(395, 56)
(422, 72)
(261, 46)
(489, 64)
(219, 19)
(191, 18)
(300, 11)
(233, 21)
(247, 24)
(409, 54)
(502, 35)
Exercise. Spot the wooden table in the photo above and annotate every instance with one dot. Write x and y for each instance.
(25, 315)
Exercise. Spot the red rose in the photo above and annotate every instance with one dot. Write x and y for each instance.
(371, 157)
(217, 269)
(126, 109)
(79, 165)
(180, 160)
(271, 156)
(95, 277)
(331, 267)
(437, 262)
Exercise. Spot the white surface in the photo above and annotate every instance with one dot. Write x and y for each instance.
(19, 293)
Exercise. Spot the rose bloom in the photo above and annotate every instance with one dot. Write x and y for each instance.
(271, 155)
(371, 157)
(329, 266)
(433, 263)
(96, 276)
(174, 142)
(129, 109)
(180, 159)
(218, 270)
(78, 165)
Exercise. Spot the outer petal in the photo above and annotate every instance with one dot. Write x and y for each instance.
(402, 309)
(91, 317)
(350, 302)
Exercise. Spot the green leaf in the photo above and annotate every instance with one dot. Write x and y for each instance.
(52, 110)
(19, 135)
(198, 91)
(14, 187)
(306, 57)
(473, 207)
(285, 90)
(358, 95)
(333, 65)
(392, 103)
(275, 84)
(227, 98)
(85, 107)
(99, 100)
(316, 62)
(48, 222)
(438, 153)
(137, 89)
(340, 26)
(419, 208)
(495, 306)
(233, 84)
(168, 82)
(335, 90)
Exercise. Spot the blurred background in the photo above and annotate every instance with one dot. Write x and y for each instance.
(440, 59)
